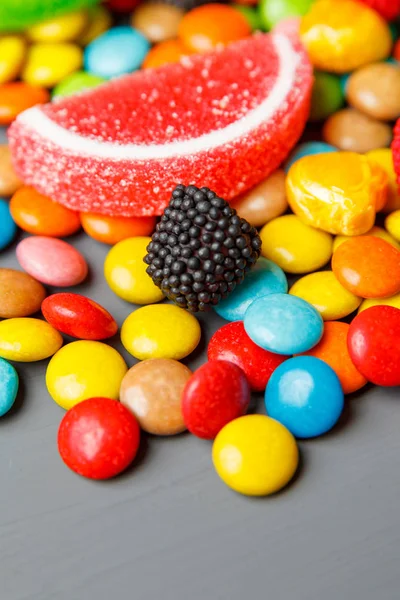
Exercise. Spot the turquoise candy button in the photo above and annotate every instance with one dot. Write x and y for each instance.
(8, 386)
(265, 278)
(283, 324)
(8, 228)
(305, 395)
(305, 150)
(118, 51)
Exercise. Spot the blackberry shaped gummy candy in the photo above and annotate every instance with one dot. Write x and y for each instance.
(201, 249)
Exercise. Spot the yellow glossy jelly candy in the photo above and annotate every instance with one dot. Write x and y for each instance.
(82, 370)
(343, 35)
(99, 20)
(335, 192)
(125, 272)
(12, 56)
(63, 28)
(255, 455)
(48, 64)
(28, 340)
(392, 224)
(384, 157)
(160, 331)
(380, 184)
(326, 294)
(391, 301)
(375, 232)
(294, 246)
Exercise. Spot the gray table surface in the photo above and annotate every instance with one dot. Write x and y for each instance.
(169, 528)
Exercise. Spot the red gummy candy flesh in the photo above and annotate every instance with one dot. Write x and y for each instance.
(388, 9)
(232, 343)
(224, 120)
(374, 344)
(98, 438)
(216, 393)
(78, 316)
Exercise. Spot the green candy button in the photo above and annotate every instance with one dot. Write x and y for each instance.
(274, 11)
(75, 83)
(17, 15)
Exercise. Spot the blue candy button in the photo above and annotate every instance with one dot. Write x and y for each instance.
(8, 228)
(265, 278)
(8, 386)
(307, 149)
(305, 395)
(118, 51)
(283, 324)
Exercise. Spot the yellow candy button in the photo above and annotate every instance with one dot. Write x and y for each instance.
(255, 455)
(336, 192)
(64, 28)
(12, 56)
(343, 36)
(326, 294)
(125, 272)
(160, 331)
(294, 246)
(392, 224)
(28, 340)
(375, 232)
(384, 157)
(99, 21)
(391, 301)
(82, 370)
(48, 64)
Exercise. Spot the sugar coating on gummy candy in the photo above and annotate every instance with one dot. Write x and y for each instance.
(388, 9)
(17, 15)
(396, 151)
(226, 119)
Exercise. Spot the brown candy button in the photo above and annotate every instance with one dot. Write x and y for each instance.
(157, 21)
(152, 391)
(9, 182)
(265, 201)
(20, 294)
(375, 90)
(351, 130)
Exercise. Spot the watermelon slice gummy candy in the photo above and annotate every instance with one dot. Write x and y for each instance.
(224, 120)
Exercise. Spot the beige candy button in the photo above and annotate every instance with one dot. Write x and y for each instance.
(152, 391)
(375, 90)
(20, 294)
(264, 202)
(351, 130)
(158, 22)
(9, 182)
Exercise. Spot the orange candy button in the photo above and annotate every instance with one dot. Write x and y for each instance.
(204, 27)
(368, 266)
(170, 51)
(111, 230)
(39, 215)
(16, 97)
(332, 349)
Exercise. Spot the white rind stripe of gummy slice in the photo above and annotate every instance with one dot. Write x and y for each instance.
(35, 119)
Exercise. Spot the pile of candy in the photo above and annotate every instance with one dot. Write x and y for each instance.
(191, 173)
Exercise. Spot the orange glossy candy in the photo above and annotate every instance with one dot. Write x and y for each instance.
(170, 51)
(368, 267)
(204, 27)
(39, 215)
(111, 230)
(332, 349)
(18, 96)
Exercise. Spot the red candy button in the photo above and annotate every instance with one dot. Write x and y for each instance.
(79, 316)
(232, 343)
(98, 438)
(374, 344)
(216, 393)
